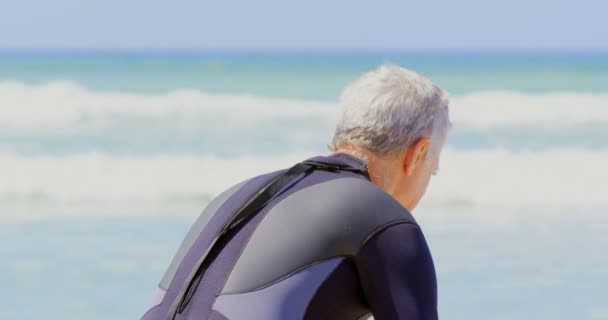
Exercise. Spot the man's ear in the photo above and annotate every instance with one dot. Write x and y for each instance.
(415, 154)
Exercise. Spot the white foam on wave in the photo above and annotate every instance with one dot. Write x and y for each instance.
(503, 177)
(61, 106)
(105, 184)
(170, 184)
(484, 110)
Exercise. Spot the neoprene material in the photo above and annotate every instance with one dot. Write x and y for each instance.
(324, 244)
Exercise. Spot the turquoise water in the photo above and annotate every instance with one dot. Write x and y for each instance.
(310, 76)
(106, 159)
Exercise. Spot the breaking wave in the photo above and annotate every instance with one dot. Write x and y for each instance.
(174, 184)
(66, 106)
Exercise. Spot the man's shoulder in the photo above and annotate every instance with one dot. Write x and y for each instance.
(347, 208)
(249, 185)
(358, 199)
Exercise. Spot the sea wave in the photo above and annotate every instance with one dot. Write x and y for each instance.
(66, 106)
(63, 105)
(106, 184)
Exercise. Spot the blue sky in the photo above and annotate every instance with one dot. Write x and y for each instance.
(305, 25)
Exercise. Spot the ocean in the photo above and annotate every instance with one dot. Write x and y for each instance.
(106, 158)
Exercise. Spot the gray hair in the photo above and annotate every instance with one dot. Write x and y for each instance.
(387, 109)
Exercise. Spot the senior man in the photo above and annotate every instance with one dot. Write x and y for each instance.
(331, 237)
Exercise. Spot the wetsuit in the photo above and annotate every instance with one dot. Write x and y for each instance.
(331, 245)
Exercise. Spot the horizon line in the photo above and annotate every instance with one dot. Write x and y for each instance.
(354, 50)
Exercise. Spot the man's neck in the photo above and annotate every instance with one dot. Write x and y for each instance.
(376, 167)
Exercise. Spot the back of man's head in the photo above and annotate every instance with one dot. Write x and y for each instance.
(387, 109)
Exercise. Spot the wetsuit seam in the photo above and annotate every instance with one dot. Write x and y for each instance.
(168, 284)
(216, 311)
(383, 227)
(275, 281)
(219, 208)
(359, 317)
